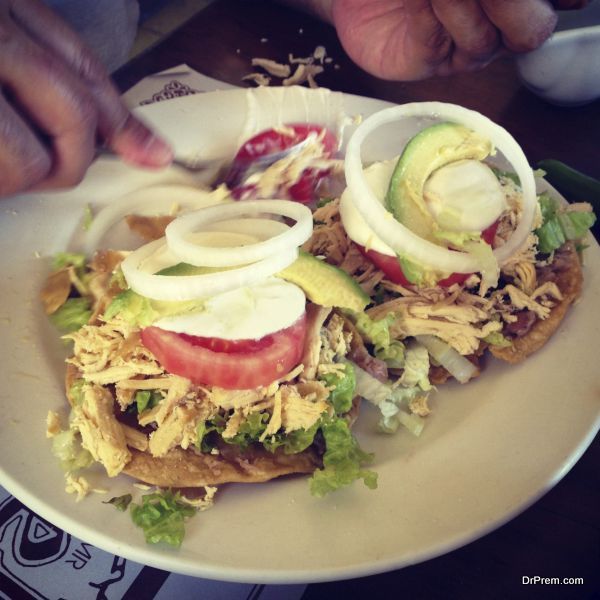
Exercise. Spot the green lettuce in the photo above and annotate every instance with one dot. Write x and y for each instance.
(342, 461)
(66, 446)
(72, 315)
(77, 391)
(500, 174)
(378, 333)
(560, 225)
(162, 516)
(497, 339)
(146, 399)
(342, 394)
(69, 259)
(293, 442)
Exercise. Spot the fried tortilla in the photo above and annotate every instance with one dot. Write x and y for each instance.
(566, 272)
(187, 468)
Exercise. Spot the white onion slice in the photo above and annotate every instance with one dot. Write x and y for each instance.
(191, 287)
(178, 232)
(154, 200)
(461, 368)
(399, 237)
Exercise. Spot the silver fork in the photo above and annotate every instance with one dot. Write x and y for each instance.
(237, 170)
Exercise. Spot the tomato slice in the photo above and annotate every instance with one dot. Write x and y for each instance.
(390, 265)
(233, 365)
(275, 140)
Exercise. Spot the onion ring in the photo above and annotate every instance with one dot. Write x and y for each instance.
(192, 287)
(207, 256)
(402, 239)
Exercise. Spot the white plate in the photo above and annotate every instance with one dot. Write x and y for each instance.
(490, 449)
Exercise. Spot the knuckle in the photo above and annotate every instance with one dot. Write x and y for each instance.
(533, 37)
(89, 67)
(484, 44)
(439, 47)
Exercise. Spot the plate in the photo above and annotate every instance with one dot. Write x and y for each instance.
(490, 449)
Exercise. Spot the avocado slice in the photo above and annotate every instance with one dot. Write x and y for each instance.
(325, 284)
(429, 150)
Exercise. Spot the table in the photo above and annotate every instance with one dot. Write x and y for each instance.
(560, 534)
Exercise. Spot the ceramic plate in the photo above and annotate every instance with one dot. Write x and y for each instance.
(489, 450)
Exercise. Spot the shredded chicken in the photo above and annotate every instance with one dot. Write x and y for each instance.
(53, 425)
(272, 67)
(101, 434)
(105, 354)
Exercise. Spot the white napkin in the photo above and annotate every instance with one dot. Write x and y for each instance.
(172, 83)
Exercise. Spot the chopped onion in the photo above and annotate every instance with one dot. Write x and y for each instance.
(461, 368)
(399, 237)
(191, 287)
(179, 242)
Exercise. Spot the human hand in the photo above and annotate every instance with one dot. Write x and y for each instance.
(56, 103)
(415, 39)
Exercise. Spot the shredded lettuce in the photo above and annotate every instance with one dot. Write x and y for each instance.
(72, 315)
(66, 446)
(416, 368)
(497, 339)
(76, 391)
(293, 442)
(393, 401)
(343, 388)
(342, 461)
(560, 225)
(250, 430)
(162, 517)
(499, 173)
(68, 259)
(146, 399)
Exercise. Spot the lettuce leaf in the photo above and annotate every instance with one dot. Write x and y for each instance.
(162, 516)
(342, 461)
(146, 399)
(497, 339)
(343, 388)
(560, 225)
(293, 442)
(72, 315)
(68, 259)
(393, 401)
